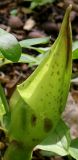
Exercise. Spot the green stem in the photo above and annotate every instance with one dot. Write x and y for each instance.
(17, 151)
(3, 98)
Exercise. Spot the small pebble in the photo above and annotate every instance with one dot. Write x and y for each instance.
(15, 22)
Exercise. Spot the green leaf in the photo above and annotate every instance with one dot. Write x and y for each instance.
(1, 56)
(3, 99)
(30, 42)
(9, 46)
(40, 49)
(13, 12)
(73, 149)
(25, 58)
(36, 3)
(75, 54)
(58, 141)
(75, 45)
(75, 50)
(2, 110)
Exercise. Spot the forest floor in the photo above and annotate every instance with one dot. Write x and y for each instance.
(17, 18)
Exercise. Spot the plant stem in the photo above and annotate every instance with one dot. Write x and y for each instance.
(3, 98)
(17, 151)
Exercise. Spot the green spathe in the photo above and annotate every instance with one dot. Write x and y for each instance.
(37, 103)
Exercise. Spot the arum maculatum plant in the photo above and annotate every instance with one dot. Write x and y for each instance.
(37, 103)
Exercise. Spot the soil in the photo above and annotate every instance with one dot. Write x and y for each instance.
(17, 18)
